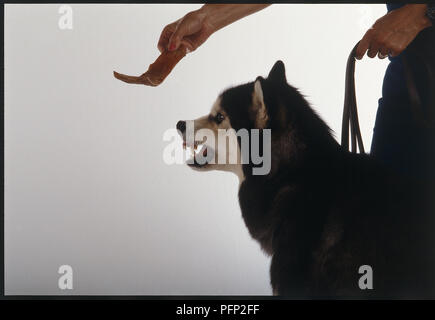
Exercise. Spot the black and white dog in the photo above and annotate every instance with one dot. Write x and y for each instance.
(322, 213)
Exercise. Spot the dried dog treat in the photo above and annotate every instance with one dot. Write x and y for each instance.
(157, 71)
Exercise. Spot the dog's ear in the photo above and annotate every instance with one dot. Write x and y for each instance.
(259, 111)
(277, 74)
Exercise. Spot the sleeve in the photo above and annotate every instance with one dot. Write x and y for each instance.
(431, 10)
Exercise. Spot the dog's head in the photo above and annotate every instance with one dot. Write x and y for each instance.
(246, 123)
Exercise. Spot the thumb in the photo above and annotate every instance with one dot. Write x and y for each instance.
(189, 25)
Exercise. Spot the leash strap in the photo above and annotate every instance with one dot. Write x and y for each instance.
(350, 110)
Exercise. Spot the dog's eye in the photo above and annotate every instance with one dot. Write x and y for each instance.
(219, 118)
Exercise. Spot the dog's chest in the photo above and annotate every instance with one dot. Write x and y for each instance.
(254, 204)
(262, 212)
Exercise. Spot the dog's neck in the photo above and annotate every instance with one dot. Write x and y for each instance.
(297, 161)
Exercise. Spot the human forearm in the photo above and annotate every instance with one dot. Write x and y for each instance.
(221, 15)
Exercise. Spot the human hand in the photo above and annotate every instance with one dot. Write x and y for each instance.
(393, 32)
(192, 30)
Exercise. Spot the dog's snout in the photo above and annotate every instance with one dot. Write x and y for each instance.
(181, 126)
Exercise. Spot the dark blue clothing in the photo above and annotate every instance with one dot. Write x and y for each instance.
(399, 140)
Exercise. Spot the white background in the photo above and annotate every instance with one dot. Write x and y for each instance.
(85, 183)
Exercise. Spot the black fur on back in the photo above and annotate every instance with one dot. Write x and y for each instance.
(322, 212)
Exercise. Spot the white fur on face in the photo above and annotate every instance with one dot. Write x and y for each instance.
(216, 107)
(231, 156)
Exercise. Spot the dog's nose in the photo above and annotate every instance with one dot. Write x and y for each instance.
(181, 126)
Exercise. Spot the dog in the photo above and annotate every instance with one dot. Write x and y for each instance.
(336, 224)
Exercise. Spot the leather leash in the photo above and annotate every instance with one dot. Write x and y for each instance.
(350, 110)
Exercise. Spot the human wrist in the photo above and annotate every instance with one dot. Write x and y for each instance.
(211, 16)
(419, 12)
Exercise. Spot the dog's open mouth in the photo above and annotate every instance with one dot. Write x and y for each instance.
(200, 154)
